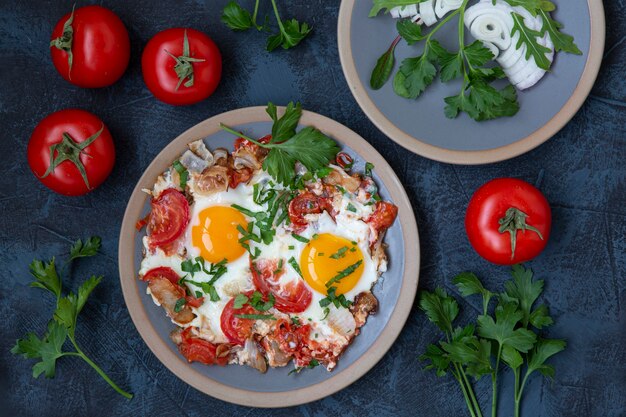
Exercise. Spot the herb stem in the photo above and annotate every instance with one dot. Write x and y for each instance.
(280, 23)
(254, 14)
(494, 382)
(470, 391)
(457, 376)
(241, 135)
(516, 372)
(100, 372)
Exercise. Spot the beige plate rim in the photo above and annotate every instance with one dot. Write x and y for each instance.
(573, 104)
(338, 381)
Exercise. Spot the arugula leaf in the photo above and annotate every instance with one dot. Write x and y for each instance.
(503, 329)
(48, 349)
(543, 350)
(440, 308)
(415, 75)
(523, 290)
(384, 66)
(409, 31)
(529, 38)
(533, 6)
(285, 126)
(561, 41)
(390, 4)
(46, 276)
(236, 17)
(89, 248)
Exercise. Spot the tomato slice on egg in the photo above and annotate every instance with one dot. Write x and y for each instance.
(290, 297)
(236, 329)
(169, 217)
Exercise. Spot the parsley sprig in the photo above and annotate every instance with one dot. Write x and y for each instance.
(290, 32)
(509, 335)
(215, 271)
(309, 146)
(256, 301)
(49, 348)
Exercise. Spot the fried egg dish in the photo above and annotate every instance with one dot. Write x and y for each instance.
(256, 270)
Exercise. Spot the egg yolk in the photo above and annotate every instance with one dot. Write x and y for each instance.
(327, 256)
(216, 233)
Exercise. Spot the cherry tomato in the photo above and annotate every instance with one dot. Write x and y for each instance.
(236, 329)
(77, 140)
(305, 203)
(96, 43)
(384, 215)
(293, 297)
(162, 271)
(180, 75)
(508, 221)
(169, 217)
(195, 349)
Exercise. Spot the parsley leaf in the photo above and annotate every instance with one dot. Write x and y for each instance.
(290, 34)
(48, 349)
(440, 308)
(409, 31)
(469, 284)
(387, 5)
(46, 276)
(543, 350)
(523, 290)
(82, 250)
(236, 17)
(285, 126)
(415, 75)
(503, 329)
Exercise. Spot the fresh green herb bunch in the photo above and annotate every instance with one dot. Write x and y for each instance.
(62, 326)
(290, 32)
(471, 63)
(509, 334)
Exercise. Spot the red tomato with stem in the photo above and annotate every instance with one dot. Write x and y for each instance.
(292, 297)
(168, 218)
(508, 221)
(90, 47)
(181, 66)
(71, 152)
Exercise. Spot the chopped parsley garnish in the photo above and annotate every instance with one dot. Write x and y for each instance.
(368, 169)
(294, 264)
(183, 174)
(291, 247)
(256, 316)
(340, 253)
(180, 303)
(336, 300)
(300, 238)
(295, 320)
(197, 265)
(344, 273)
(351, 207)
(255, 300)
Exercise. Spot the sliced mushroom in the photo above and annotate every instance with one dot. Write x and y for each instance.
(341, 321)
(251, 355)
(167, 294)
(364, 304)
(211, 180)
(199, 148)
(242, 158)
(275, 356)
(339, 177)
(193, 162)
(220, 156)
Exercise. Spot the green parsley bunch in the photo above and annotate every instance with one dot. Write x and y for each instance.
(507, 336)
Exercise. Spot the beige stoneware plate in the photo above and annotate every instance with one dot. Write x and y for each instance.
(242, 385)
(420, 125)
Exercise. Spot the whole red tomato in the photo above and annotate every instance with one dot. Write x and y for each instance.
(508, 221)
(82, 152)
(181, 66)
(90, 47)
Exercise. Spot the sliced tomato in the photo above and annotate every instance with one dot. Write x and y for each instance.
(238, 176)
(344, 160)
(195, 349)
(236, 329)
(384, 215)
(161, 271)
(193, 301)
(169, 217)
(293, 340)
(252, 147)
(305, 203)
(292, 297)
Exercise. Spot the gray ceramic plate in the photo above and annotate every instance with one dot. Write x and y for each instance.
(421, 126)
(242, 385)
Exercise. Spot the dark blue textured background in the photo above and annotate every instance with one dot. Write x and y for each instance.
(581, 171)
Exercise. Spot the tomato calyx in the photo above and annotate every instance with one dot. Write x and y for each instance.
(515, 219)
(70, 150)
(184, 67)
(64, 42)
